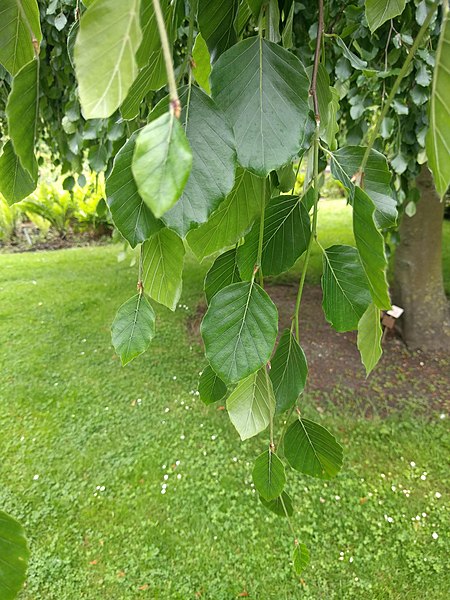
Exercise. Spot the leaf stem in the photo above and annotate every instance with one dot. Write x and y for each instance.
(174, 99)
(395, 88)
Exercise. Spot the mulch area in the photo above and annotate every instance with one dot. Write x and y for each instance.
(335, 366)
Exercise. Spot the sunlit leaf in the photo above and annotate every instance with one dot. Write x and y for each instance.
(300, 558)
(369, 337)
(133, 328)
(380, 11)
(202, 63)
(15, 182)
(14, 553)
(19, 21)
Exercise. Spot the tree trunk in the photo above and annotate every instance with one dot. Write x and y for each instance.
(419, 284)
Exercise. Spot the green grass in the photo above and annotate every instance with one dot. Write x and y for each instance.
(74, 421)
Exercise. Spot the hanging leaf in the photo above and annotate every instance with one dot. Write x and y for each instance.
(251, 404)
(71, 37)
(202, 63)
(255, 7)
(163, 257)
(268, 475)
(345, 164)
(300, 558)
(15, 181)
(286, 36)
(14, 553)
(370, 244)
(331, 129)
(19, 24)
(355, 61)
(133, 328)
(263, 91)
(105, 50)
(286, 178)
(288, 372)
(130, 214)
(286, 236)
(151, 77)
(151, 42)
(210, 387)
(380, 11)
(369, 337)
(22, 114)
(161, 163)
(239, 330)
(280, 506)
(213, 162)
(312, 449)
(216, 22)
(346, 293)
(223, 272)
(232, 219)
(438, 135)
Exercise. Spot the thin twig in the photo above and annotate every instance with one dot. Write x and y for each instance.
(313, 88)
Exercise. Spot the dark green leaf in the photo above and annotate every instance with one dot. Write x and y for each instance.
(232, 219)
(370, 244)
(300, 558)
(286, 236)
(15, 182)
(276, 505)
(17, 18)
(239, 330)
(133, 328)
(223, 272)
(216, 22)
(346, 293)
(263, 90)
(289, 371)
(354, 60)
(14, 554)
(163, 257)
(161, 163)
(268, 475)
(369, 337)
(251, 404)
(345, 164)
(105, 49)
(312, 449)
(213, 162)
(22, 113)
(130, 214)
(151, 77)
(210, 387)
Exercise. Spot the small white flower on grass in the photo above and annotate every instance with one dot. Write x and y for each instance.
(174, 377)
(382, 475)
(356, 578)
(388, 519)
(186, 407)
(179, 476)
(423, 477)
(413, 464)
(35, 477)
(163, 491)
(83, 341)
(235, 459)
(337, 498)
(442, 416)
(424, 515)
(182, 437)
(322, 500)
(393, 488)
(166, 410)
(434, 535)
(163, 466)
(177, 462)
(350, 559)
(438, 495)
(213, 437)
(164, 485)
(166, 477)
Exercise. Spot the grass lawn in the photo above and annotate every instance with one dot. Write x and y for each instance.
(87, 445)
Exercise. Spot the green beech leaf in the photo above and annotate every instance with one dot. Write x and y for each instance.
(438, 135)
(312, 449)
(346, 293)
(210, 387)
(19, 24)
(286, 236)
(223, 272)
(380, 11)
(280, 506)
(263, 91)
(151, 77)
(133, 328)
(216, 22)
(22, 113)
(130, 214)
(370, 244)
(163, 257)
(105, 49)
(300, 558)
(268, 475)
(345, 164)
(232, 219)
(286, 178)
(162, 163)
(288, 372)
(332, 127)
(151, 42)
(15, 182)
(202, 63)
(369, 337)
(239, 330)
(14, 553)
(71, 37)
(286, 36)
(251, 404)
(355, 61)
(255, 7)
(213, 162)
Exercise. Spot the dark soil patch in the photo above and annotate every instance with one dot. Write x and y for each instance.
(335, 366)
(56, 243)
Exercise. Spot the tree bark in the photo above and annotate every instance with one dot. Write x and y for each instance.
(419, 284)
